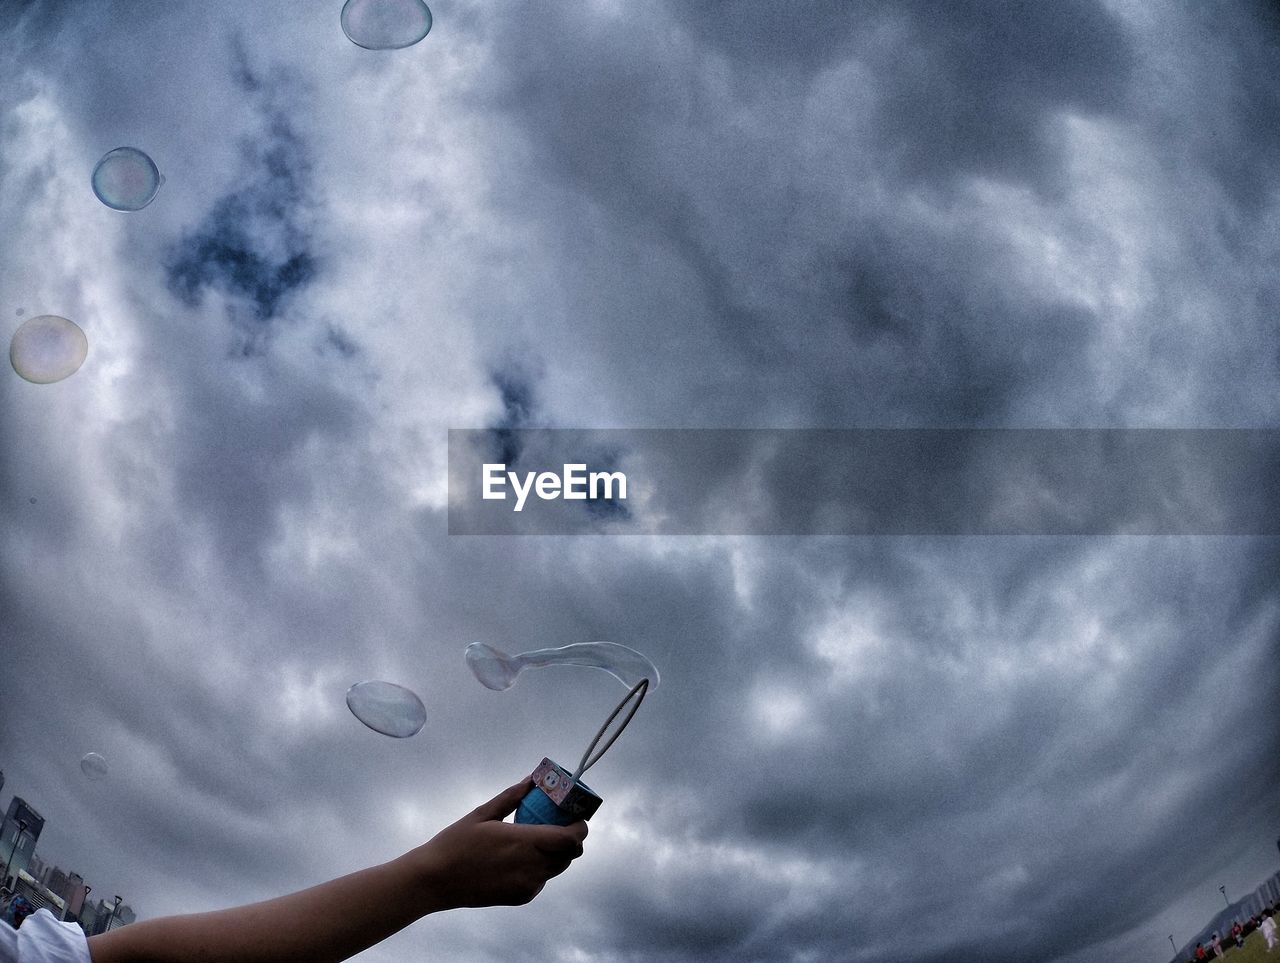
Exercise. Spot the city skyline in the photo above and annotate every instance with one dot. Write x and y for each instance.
(66, 885)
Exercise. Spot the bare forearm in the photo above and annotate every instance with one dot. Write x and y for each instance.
(328, 922)
(477, 861)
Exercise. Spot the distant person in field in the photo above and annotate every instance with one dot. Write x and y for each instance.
(1217, 944)
(1200, 953)
(1268, 928)
(1238, 932)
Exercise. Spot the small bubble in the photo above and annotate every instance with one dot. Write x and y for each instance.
(126, 179)
(497, 670)
(385, 24)
(32, 500)
(93, 765)
(20, 312)
(387, 708)
(48, 348)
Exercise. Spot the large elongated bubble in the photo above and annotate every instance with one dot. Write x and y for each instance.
(48, 348)
(126, 179)
(497, 670)
(388, 708)
(93, 765)
(385, 24)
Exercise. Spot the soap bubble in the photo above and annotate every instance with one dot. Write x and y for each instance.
(93, 765)
(387, 708)
(48, 348)
(126, 179)
(385, 24)
(20, 312)
(497, 670)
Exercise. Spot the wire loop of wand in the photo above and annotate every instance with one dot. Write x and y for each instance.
(588, 760)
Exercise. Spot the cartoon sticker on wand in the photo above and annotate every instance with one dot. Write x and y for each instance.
(558, 796)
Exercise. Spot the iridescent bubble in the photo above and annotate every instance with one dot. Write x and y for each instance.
(385, 24)
(497, 670)
(93, 765)
(126, 179)
(48, 348)
(386, 707)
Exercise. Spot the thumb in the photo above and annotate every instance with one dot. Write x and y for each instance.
(503, 804)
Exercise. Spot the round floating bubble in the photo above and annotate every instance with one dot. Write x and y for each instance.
(386, 707)
(20, 312)
(93, 765)
(126, 179)
(385, 24)
(48, 348)
(497, 670)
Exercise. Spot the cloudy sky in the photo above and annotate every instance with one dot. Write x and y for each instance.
(829, 214)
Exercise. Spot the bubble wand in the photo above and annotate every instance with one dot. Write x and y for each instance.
(558, 798)
(637, 692)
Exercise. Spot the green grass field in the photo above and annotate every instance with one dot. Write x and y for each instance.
(1253, 951)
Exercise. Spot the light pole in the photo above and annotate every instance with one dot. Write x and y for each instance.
(22, 828)
(112, 918)
(1223, 891)
(1173, 944)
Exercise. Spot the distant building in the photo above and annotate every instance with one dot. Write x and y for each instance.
(17, 845)
(56, 881)
(38, 869)
(76, 896)
(69, 886)
(98, 917)
(87, 917)
(107, 917)
(1272, 889)
(28, 887)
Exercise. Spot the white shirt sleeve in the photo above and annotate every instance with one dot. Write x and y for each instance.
(42, 939)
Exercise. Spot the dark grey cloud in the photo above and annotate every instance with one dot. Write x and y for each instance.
(976, 89)
(516, 392)
(253, 244)
(759, 227)
(962, 90)
(1241, 147)
(677, 215)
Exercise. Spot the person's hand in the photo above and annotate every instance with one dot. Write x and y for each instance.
(482, 861)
